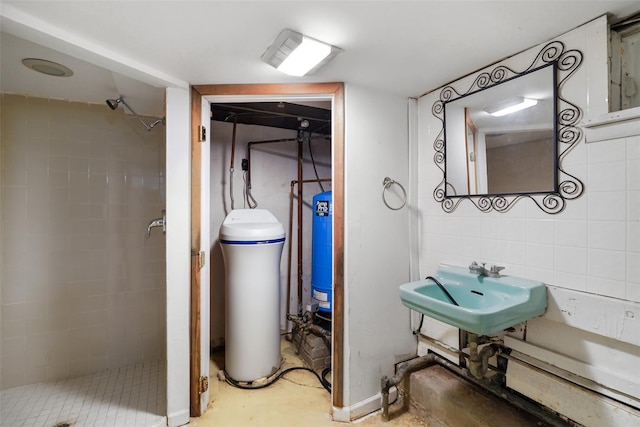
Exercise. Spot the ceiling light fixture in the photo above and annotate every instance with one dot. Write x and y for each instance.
(49, 68)
(295, 54)
(511, 106)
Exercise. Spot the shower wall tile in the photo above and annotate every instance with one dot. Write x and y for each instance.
(607, 264)
(540, 256)
(607, 205)
(571, 233)
(633, 175)
(608, 235)
(633, 236)
(612, 151)
(607, 176)
(571, 260)
(14, 328)
(577, 282)
(633, 148)
(82, 289)
(513, 253)
(540, 231)
(513, 229)
(633, 206)
(603, 286)
(576, 210)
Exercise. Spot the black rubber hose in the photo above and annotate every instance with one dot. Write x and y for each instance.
(443, 290)
(417, 331)
(325, 384)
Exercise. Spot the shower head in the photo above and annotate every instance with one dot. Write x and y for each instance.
(113, 103)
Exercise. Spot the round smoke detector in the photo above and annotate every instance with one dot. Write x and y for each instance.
(47, 67)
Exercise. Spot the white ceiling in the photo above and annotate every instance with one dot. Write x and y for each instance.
(401, 47)
(89, 82)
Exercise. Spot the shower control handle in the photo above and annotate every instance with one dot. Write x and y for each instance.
(158, 222)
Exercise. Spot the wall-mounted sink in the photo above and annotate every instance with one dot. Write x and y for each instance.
(487, 305)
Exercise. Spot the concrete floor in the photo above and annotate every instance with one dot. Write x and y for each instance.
(297, 399)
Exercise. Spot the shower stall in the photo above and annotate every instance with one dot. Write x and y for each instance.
(83, 303)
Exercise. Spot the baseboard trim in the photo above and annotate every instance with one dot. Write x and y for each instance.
(179, 418)
(574, 402)
(362, 408)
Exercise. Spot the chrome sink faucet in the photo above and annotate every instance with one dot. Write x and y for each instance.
(481, 270)
(494, 271)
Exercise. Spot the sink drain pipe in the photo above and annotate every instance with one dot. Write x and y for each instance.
(405, 368)
(422, 362)
(479, 360)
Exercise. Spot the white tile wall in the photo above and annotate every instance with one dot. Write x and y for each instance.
(592, 247)
(82, 289)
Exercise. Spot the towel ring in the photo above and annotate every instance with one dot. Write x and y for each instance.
(388, 182)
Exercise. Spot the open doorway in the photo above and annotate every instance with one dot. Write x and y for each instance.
(271, 190)
(259, 153)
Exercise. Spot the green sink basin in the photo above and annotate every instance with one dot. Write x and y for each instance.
(487, 305)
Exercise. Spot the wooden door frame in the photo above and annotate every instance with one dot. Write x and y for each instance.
(336, 91)
(195, 408)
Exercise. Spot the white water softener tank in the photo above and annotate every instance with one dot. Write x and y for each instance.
(252, 241)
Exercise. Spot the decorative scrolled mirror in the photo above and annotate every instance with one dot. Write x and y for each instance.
(504, 138)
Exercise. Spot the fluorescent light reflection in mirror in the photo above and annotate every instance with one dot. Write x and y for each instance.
(512, 106)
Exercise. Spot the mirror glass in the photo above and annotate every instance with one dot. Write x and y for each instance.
(513, 153)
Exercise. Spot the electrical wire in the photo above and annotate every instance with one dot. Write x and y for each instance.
(325, 384)
(248, 198)
(231, 170)
(319, 316)
(244, 189)
(313, 162)
(444, 290)
(453, 301)
(417, 331)
(233, 156)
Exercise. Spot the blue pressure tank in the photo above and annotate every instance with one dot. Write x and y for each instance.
(322, 251)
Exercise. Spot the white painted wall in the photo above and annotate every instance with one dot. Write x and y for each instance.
(377, 329)
(178, 243)
(589, 249)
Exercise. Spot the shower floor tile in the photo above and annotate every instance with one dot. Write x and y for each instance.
(131, 396)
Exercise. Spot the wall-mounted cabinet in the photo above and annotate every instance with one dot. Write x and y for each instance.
(625, 64)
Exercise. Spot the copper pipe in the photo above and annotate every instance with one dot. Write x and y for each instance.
(268, 141)
(289, 242)
(300, 147)
(321, 332)
(232, 164)
(300, 205)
